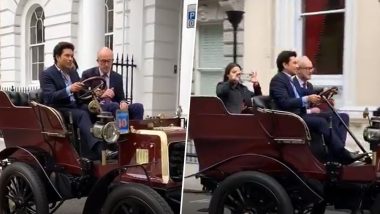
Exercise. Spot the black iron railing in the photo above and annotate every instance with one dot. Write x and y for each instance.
(24, 89)
(126, 69)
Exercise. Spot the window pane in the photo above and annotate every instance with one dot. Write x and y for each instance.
(37, 39)
(34, 54)
(321, 5)
(33, 20)
(41, 53)
(323, 42)
(109, 4)
(40, 69)
(110, 21)
(106, 17)
(40, 31)
(39, 12)
(33, 36)
(109, 41)
(34, 71)
(211, 46)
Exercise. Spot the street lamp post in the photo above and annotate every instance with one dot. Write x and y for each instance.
(235, 18)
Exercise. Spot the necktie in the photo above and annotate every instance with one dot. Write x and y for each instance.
(304, 85)
(68, 82)
(107, 79)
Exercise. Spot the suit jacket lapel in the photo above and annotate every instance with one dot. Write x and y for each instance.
(301, 91)
(74, 77)
(286, 79)
(112, 80)
(59, 78)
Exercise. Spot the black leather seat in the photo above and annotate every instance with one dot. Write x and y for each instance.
(23, 99)
(265, 102)
(18, 98)
(36, 95)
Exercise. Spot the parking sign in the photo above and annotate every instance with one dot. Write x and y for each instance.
(191, 15)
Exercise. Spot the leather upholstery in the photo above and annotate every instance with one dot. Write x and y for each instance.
(23, 99)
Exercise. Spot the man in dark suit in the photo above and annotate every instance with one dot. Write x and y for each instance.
(113, 97)
(287, 98)
(59, 84)
(304, 87)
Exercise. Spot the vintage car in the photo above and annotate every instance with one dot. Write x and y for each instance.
(267, 161)
(42, 165)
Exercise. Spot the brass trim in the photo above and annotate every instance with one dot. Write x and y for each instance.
(164, 151)
(289, 114)
(55, 112)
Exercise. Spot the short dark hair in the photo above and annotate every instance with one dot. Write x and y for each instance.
(75, 64)
(228, 69)
(284, 57)
(58, 49)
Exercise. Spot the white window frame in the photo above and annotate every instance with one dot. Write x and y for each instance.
(29, 72)
(109, 34)
(346, 79)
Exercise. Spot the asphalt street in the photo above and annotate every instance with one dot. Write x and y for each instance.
(198, 203)
(73, 206)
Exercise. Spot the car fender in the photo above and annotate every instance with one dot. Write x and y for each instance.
(317, 196)
(99, 192)
(33, 153)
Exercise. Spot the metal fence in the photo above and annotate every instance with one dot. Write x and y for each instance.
(124, 67)
(191, 154)
(24, 89)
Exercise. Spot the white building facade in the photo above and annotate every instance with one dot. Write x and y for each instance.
(150, 30)
(338, 35)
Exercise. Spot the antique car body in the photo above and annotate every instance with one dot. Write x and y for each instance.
(150, 159)
(273, 153)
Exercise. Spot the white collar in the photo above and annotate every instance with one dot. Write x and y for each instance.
(290, 76)
(101, 73)
(301, 82)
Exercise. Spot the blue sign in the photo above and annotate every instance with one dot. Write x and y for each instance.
(191, 15)
(122, 121)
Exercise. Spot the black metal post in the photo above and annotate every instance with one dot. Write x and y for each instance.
(235, 18)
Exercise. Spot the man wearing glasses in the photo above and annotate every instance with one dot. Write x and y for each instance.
(287, 98)
(305, 88)
(113, 97)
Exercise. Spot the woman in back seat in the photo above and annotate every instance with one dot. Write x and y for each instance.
(235, 96)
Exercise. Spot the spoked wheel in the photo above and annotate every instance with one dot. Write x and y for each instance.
(134, 199)
(250, 192)
(22, 191)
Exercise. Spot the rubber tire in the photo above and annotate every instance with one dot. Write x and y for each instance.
(34, 181)
(139, 191)
(235, 180)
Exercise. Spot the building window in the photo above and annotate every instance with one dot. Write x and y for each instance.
(37, 43)
(323, 34)
(209, 58)
(109, 23)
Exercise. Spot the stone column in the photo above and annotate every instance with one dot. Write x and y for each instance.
(90, 32)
